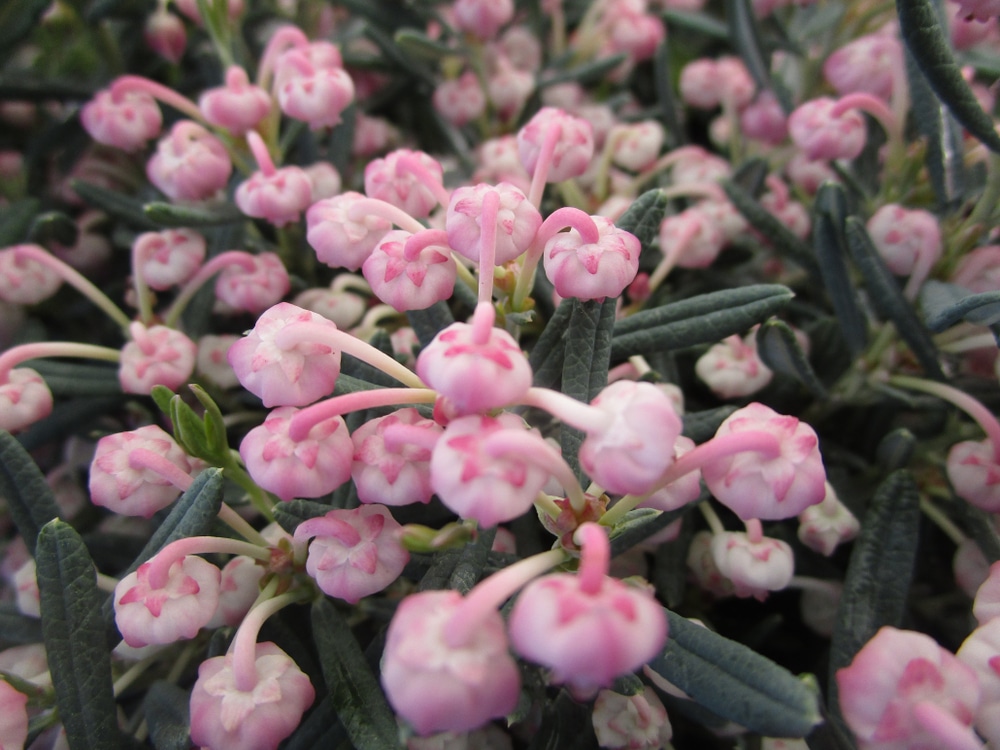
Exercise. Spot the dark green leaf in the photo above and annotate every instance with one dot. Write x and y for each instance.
(15, 218)
(471, 562)
(699, 22)
(896, 449)
(69, 379)
(878, 575)
(29, 499)
(114, 203)
(18, 629)
(786, 243)
(702, 425)
(427, 323)
(98, 10)
(643, 217)
(189, 430)
(397, 56)
(166, 710)
(830, 244)
(79, 658)
(289, 515)
(354, 691)
(17, 19)
(944, 305)
(735, 682)
(638, 525)
(172, 215)
(215, 426)
(590, 72)
(547, 355)
(53, 226)
(927, 40)
(418, 44)
(888, 300)
(779, 349)
(750, 176)
(665, 96)
(321, 728)
(704, 319)
(746, 38)
(67, 418)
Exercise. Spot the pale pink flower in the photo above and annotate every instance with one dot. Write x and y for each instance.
(509, 88)
(25, 280)
(517, 221)
(574, 146)
(482, 18)
(460, 100)
(165, 34)
(410, 180)
(190, 164)
(392, 472)
(866, 64)
(986, 606)
(755, 566)
(707, 83)
(635, 722)
(821, 135)
(27, 596)
(279, 197)
(324, 179)
(24, 399)
(732, 368)
(980, 10)
(373, 135)
(339, 241)
(411, 271)
(637, 144)
(169, 257)
(981, 651)
(592, 270)
(764, 120)
(126, 120)
(312, 86)
(681, 491)
(343, 309)
(979, 270)
(155, 356)
(701, 234)
(971, 569)
(255, 290)
(13, 717)
(905, 238)
(829, 524)
(237, 106)
(212, 361)
(239, 586)
(974, 473)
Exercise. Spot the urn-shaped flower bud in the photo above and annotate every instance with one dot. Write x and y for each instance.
(24, 399)
(238, 589)
(460, 100)
(592, 270)
(190, 164)
(681, 491)
(354, 553)
(756, 567)
(306, 468)
(707, 83)
(149, 611)
(343, 309)
(866, 64)
(636, 722)
(974, 473)
(165, 34)
(439, 686)
(252, 289)
(293, 375)
(279, 197)
(764, 120)
(126, 120)
(517, 221)
(131, 487)
(225, 717)
(755, 484)
(573, 149)
(388, 471)
(13, 717)
(905, 238)
(238, 106)
(411, 271)
(482, 18)
(25, 280)
(987, 602)
(339, 241)
(212, 361)
(325, 180)
(732, 368)
(509, 88)
(311, 88)
(904, 690)
(979, 270)
(169, 257)
(981, 651)
(410, 180)
(155, 356)
(822, 135)
(825, 526)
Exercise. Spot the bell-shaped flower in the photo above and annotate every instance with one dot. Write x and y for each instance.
(825, 526)
(279, 197)
(312, 86)
(392, 472)
(637, 722)
(13, 716)
(410, 180)
(169, 257)
(868, 64)
(339, 241)
(212, 361)
(125, 120)
(190, 164)
(238, 106)
(25, 398)
(411, 271)
(517, 221)
(822, 133)
(155, 356)
(252, 290)
(570, 154)
(25, 280)
(592, 269)
(732, 368)
(482, 18)
(907, 239)
(165, 34)
(353, 553)
(344, 309)
(460, 100)
(986, 606)
(974, 473)
(239, 586)
(981, 651)
(755, 566)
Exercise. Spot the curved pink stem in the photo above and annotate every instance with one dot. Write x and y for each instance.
(569, 410)
(953, 733)
(871, 104)
(411, 163)
(214, 265)
(399, 435)
(128, 84)
(533, 449)
(595, 556)
(309, 417)
(488, 244)
(385, 210)
(483, 319)
(326, 526)
(143, 458)
(244, 645)
(720, 447)
(540, 176)
(567, 217)
(423, 239)
(260, 153)
(755, 531)
(673, 254)
(281, 40)
(162, 561)
(24, 352)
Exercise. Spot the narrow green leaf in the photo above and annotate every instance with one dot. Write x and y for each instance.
(395, 55)
(665, 98)
(29, 498)
(643, 217)
(53, 226)
(546, 356)
(830, 244)
(745, 36)
(590, 72)
(215, 425)
(926, 39)
(418, 44)
(786, 243)
(17, 20)
(113, 202)
(163, 397)
(735, 682)
(704, 319)
(18, 629)
(71, 379)
(980, 526)
(171, 215)
(702, 425)
(289, 515)
(354, 691)
(878, 575)
(67, 418)
(427, 323)
(189, 430)
(15, 218)
(896, 449)
(780, 350)
(699, 22)
(166, 710)
(321, 728)
(888, 300)
(944, 305)
(471, 561)
(638, 525)
(750, 175)
(79, 658)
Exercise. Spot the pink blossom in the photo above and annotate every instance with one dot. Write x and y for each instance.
(411, 271)
(224, 717)
(482, 18)
(343, 309)
(498, 161)
(732, 368)
(410, 180)
(980, 10)
(867, 64)
(756, 566)
(635, 722)
(339, 241)
(681, 491)
(25, 280)
(324, 179)
(26, 593)
(764, 120)
(169, 257)
(13, 717)
(694, 236)
(190, 164)
(190, 9)
(519, 45)
(517, 221)
(373, 135)
(821, 135)
(25, 398)
(707, 83)
(979, 270)
(637, 144)
(696, 166)
(294, 375)
(311, 467)
(460, 100)
(974, 473)
(573, 148)
(212, 362)
(312, 91)
(354, 553)
(238, 106)
(971, 569)
(126, 120)
(436, 685)
(147, 613)
(509, 88)
(165, 34)
(905, 238)
(981, 651)
(280, 196)
(986, 606)
(155, 356)
(239, 586)
(392, 472)
(256, 289)
(904, 691)
(829, 524)
(808, 174)
(966, 32)
(592, 270)
(636, 34)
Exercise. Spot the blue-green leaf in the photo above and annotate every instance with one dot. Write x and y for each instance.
(29, 498)
(888, 299)
(53, 226)
(699, 22)
(665, 99)
(944, 305)
(547, 355)
(735, 682)
(745, 36)
(926, 39)
(172, 215)
(879, 573)
(896, 449)
(15, 218)
(354, 691)
(779, 349)
(587, 73)
(18, 629)
(644, 216)
(113, 202)
(69, 379)
(786, 243)
(427, 323)
(166, 710)
(471, 561)
(321, 728)
(418, 44)
(289, 515)
(79, 658)
(638, 525)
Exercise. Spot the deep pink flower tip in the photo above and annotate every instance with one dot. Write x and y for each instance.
(974, 473)
(190, 164)
(401, 178)
(24, 399)
(905, 237)
(127, 121)
(237, 106)
(156, 356)
(592, 270)
(187, 602)
(119, 486)
(295, 375)
(311, 467)
(820, 135)
(223, 717)
(754, 485)
(475, 484)
(886, 691)
(574, 148)
(397, 474)
(979, 10)
(338, 241)
(169, 257)
(475, 376)
(280, 198)
(252, 291)
(24, 280)
(354, 553)
(407, 280)
(437, 687)
(635, 447)
(517, 221)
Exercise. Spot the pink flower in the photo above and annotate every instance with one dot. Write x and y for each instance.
(821, 135)
(24, 399)
(311, 467)
(293, 375)
(190, 164)
(986, 606)
(392, 472)
(981, 651)
(239, 586)
(482, 18)
(253, 291)
(756, 485)
(189, 8)
(637, 144)
(636, 722)
(905, 238)
(707, 83)
(438, 686)
(517, 221)
(866, 64)
(755, 566)
(979, 270)
(509, 88)
(574, 147)
(460, 100)
(980, 10)
(904, 691)
(224, 717)
(130, 488)
(25, 280)
(126, 121)
(169, 257)
(185, 602)
(411, 271)
(477, 485)
(238, 106)
(339, 241)
(325, 180)
(974, 473)
(280, 197)
(825, 526)
(592, 270)
(410, 180)
(155, 356)
(636, 34)
(344, 309)
(27, 596)
(354, 553)
(681, 491)
(764, 120)
(699, 234)
(971, 570)
(165, 34)
(312, 86)
(212, 362)
(13, 717)
(732, 368)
